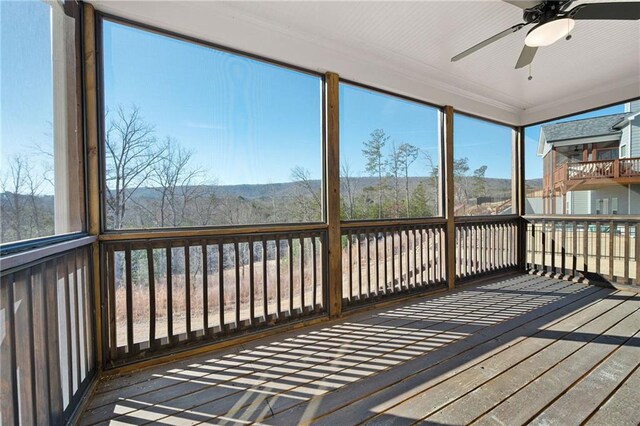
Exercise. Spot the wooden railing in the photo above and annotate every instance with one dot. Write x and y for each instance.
(629, 167)
(380, 260)
(591, 169)
(598, 248)
(47, 355)
(166, 293)
(486, 245)
(600, 169)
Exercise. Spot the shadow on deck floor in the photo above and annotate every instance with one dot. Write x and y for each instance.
(464, 356)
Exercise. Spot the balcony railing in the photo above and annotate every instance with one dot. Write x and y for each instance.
(379, 261)
(47, 357)
(169, 293)
(601, 169)
(597, 248)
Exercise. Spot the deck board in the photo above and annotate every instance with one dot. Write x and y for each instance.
(450, 358)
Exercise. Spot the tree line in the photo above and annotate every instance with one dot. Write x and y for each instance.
(151, 181)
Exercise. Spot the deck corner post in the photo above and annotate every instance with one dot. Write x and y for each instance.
(519, 195)
(92, 164)
(332, 178)
(449, 201)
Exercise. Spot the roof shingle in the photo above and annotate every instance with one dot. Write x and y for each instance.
(588, 127)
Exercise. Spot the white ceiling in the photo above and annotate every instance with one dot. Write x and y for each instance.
(405, 47)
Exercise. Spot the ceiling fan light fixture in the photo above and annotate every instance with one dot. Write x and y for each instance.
(549, 32)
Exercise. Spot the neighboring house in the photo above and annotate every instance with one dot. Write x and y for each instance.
(591, 166)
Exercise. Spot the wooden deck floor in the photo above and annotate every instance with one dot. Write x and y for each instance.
(518, 350)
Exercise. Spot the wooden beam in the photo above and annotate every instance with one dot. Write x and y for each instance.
(332, 179)
(92, 169)
(449, 200)
(520, 195)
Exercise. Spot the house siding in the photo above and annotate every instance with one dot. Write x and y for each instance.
(579, 202)
(634, 137)
(621, 192)
(634, 199)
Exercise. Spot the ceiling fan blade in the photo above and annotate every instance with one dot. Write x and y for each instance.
(625, 11)
(487, 42)
(523, 4)
(526, 56)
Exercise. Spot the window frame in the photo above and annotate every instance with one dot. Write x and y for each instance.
(517, 168)
(75, 10)
(101, 17)
(441, 176)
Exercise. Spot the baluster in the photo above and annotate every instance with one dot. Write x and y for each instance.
(574, 244)
(393, 261)
(290, 251)
(367, 234)
(205, 289)
(252, 290)
(315, 272)
(278, 285)
(626, 253)
(221, 284)
(585, 247)
(187, 287)
(265, 274)
(598, 247)
(377, 261)
(302, 301)
(236, 264)
(169, 295)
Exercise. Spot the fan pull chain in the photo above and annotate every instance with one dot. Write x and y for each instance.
(530, 76)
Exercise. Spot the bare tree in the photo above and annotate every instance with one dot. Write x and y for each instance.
(34, 190)
(308, 199)
(131, 157)
(14, 203)
(178, 183)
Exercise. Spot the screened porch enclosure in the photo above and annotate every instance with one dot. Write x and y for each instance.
(193, 233)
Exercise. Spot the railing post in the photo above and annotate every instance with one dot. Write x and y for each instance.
(332, 179)
(93, 172)
(616, 168)
(449, 206)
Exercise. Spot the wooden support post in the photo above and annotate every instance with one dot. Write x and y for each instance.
(93, 168)
(449, 207)
(519, 196)
(332, 179)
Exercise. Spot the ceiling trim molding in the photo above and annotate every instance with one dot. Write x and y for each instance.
(616, 92)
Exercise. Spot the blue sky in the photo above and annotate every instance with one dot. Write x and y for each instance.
(362, 111)
(26, 112)
(244, 120)
(484, 144)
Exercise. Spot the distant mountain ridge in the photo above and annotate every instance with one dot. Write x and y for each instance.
(287, 189)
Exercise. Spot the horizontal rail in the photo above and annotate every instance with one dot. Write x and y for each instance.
(165, 293)
(123, 235)
(47, 348)
(20, 260)
(391, 222)
(486, 219)
(583, 218)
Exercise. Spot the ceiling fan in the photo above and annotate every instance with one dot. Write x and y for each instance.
(552, 21)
